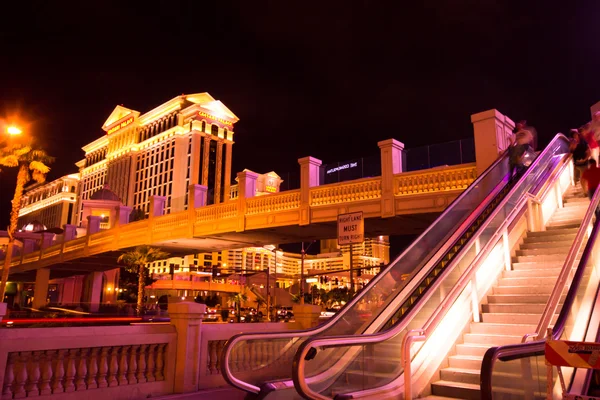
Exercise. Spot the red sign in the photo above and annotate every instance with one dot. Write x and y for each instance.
(120, 126)
(573, 354)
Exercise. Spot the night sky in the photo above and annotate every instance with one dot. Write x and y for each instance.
(326, 79)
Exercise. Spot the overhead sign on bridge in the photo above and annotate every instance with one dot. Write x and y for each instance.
(351, 228)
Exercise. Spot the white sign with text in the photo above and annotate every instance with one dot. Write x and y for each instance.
(351, 228)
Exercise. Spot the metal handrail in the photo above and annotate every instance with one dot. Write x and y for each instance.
(433, 321)
(226, 370)
(523, 350)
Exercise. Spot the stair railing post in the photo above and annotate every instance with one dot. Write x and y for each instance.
(411, 336)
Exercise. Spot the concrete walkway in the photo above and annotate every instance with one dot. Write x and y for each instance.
(208, 394)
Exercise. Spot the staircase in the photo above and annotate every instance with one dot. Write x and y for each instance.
(515, 304)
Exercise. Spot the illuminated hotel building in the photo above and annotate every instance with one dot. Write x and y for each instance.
(51, 204)
(187, 140)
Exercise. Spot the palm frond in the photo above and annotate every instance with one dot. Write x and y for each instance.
(9, 160)
(38, 166)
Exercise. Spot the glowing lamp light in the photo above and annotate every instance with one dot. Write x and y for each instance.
(13, 130)
(182, 297)
(109, 289)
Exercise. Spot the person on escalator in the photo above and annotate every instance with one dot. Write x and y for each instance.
(590, 179)
(581, 153)
(522, 126)
(587, 134)
(520, 153)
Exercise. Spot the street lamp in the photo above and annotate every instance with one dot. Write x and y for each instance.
(302, 271)
(274, 250)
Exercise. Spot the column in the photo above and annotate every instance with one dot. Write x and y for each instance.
(391, 164)
(309, 177)
(187, 318)
(197, 196)
(493, 132)
(246, 188)
(40, 290)
(218, 172)
(205, 155)
(228, 150)
(157, 206)
(95, 290)
(195, 161)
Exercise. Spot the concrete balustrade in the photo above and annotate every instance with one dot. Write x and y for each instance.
(127, 362)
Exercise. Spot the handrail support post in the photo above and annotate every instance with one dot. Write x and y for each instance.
(411, 336)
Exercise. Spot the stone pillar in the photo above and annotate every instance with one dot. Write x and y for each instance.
(70, 232)
(391, 164)
(187, 318)
(246, 188)
(307, 315)
(40, 290)
(309, 177)
(197, 196)
(123, 213)
(93, 224)
(218, 172)
(205, 155)
(227, 178)
(67, 289)
(95, 290)
(493, 132)
(28, 246)
(157, 206)
(112, 283)
(46, 240)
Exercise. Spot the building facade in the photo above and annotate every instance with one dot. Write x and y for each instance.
(52, 204)
(187, 140)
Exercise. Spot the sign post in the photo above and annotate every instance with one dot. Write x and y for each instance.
(351, 230)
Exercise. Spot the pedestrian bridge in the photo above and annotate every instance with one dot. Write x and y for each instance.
(404, 203)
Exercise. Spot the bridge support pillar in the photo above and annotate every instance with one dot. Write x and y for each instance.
(94, 290)
(40, 290)
(493, 132)
(309, 177)
(391, 164)
(187, 318)
(93, 224)
(246, 188)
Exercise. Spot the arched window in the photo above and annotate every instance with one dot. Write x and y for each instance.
(203, 126)
(225, 133)
(214, 130)
(72, 189)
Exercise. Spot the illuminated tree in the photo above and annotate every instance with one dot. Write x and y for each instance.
(32, 163)
(136, 261)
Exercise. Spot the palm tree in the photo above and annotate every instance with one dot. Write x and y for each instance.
(238, 299)
(33, 164)
(135, 261)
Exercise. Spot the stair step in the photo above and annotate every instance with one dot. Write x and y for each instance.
(562, 225)
(462, 375)
(502, 329)
(565, 231)
(577, 200)
(547, 244)
(471, 349)
(532, 273)
(546, 289)
(513, 318)
(527, 281)
(541, 258)
(527, 308)
(562, 251)
(568, 237)
(456, 390)
(491, 339)
(518, 298)
(529, 265)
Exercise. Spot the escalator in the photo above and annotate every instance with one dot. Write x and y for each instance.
(448, 242)
(578, 320)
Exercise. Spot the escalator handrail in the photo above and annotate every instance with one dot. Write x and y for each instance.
(229, 345)
(536, 348)
(354, 340)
